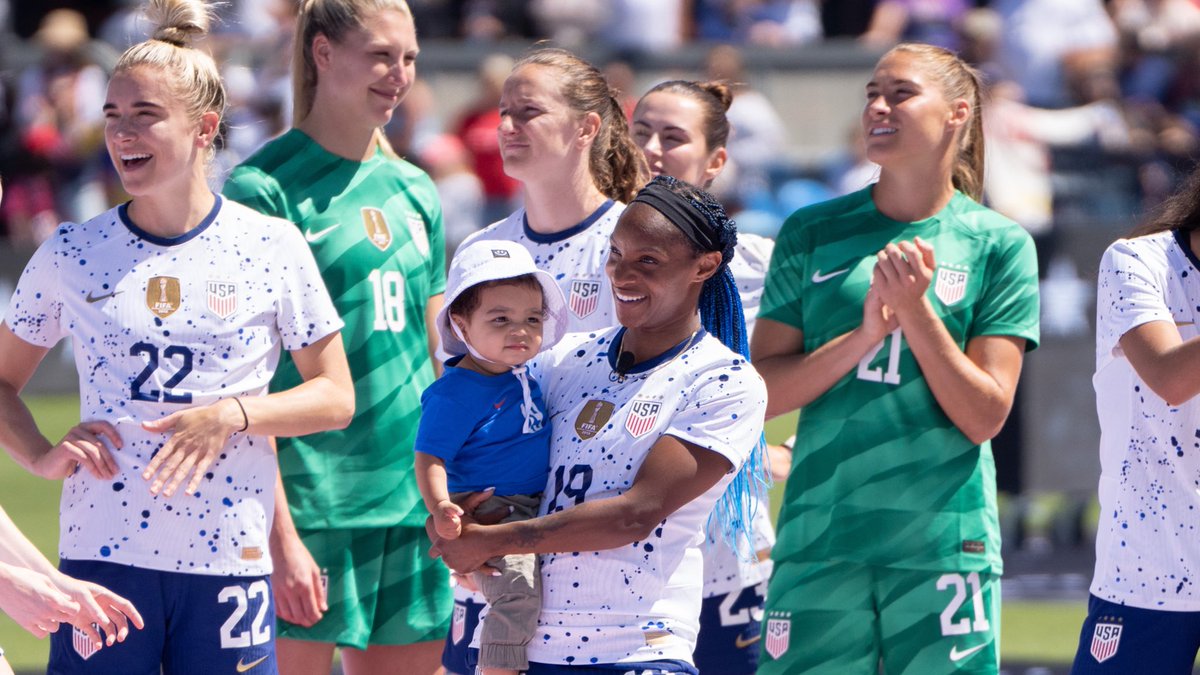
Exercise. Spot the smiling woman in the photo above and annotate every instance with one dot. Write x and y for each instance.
(179, 304)
(351, 568)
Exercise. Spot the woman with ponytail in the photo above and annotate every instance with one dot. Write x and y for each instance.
(897, 317)
(564, 136)
(351, 569)
(179, 304)
(651, 423)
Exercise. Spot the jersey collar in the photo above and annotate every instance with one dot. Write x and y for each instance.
(123, 213)
(614, 346)
(567, 233)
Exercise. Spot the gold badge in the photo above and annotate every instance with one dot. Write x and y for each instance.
(592, 418)
(378, 231)
(163, 296)
(252, 553)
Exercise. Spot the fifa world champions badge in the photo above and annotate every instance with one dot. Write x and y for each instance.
(779, 633)
(1105, 639)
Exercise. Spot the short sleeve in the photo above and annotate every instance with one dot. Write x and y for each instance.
(1008, 303)
(305, 312)
(441, 431)
(785, 277)
(725, 414)
(249, 186)
(437, 250)
(35, 310)
(1130, 291)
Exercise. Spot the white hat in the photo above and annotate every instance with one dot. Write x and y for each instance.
(490, 260)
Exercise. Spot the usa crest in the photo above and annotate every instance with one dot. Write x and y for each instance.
(378, 232)
(642, 416)
(1105, 640)
(458, 623)
(950, 286)
(779, 633)
(592, 418)
(222, 298)
(163, 296)
(585, 296)
(416, 230)
(83, 644)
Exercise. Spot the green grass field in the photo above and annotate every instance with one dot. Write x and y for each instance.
(1033, 632)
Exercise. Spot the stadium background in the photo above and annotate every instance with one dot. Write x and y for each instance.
(1077, 160)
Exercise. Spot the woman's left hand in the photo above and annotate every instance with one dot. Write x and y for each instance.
(903, 272)
(197, 437)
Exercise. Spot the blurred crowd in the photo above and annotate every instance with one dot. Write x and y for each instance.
(1094, 105)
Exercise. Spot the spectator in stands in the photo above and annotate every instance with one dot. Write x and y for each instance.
(771, 23)
(476, 128)
(930, 21)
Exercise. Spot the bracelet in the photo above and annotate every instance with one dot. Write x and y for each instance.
(244, 415)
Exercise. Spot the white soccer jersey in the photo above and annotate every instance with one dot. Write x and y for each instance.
(639, 602)
(160, 325)
(751, 258)
(1148, 539)
(575, 257)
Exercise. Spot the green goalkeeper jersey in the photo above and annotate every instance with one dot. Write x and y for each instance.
(880, 474)
(375, 228)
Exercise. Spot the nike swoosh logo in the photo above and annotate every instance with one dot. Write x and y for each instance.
(313, 236)
(742, 643)
(497, 405)
(818, 277)
(956, 655)
(243, 667)
(97, 298)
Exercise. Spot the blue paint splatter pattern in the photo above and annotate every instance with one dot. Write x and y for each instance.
(158, 325)
(1147, 543)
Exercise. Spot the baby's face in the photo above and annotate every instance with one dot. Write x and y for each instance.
(506, 327)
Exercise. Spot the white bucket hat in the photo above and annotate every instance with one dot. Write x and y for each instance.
(490, 260)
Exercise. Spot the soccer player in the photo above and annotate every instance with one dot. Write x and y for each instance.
(564, 136)
(178, 303)
(1144, 606)
(682, 129)
(651, 421)
(898, 318)
(374, 223)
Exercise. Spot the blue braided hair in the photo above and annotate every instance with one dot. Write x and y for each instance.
(722, 316)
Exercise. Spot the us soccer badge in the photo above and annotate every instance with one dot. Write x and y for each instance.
(584, 296)
(592, 418)
(779, 633)
(83, 644)
(163, 296)
(416, 230)
(1105, 639)
(641, 417)
(950, 285)
(458, 623)
(378, 232)
(222, 298)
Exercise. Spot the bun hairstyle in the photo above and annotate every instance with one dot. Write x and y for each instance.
(616, 163)
(714, 98)
(192, 74)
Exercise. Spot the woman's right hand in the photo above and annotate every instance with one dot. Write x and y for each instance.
(878, 318)
(82, 446)
(467, 552)
(32, 600)
(300, 597)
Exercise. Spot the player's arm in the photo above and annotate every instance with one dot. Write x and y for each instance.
(1168, 364)
(431, 332)
(19, 432)
(296, 579)
(431, 481)
(796, 378)
(974, 388)
(323, 401)
(674, 473)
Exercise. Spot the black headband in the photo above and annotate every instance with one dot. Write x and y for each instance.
(682, 213)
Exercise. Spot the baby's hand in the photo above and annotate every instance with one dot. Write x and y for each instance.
(447, 520)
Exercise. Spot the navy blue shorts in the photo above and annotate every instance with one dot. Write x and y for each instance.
(1130, 640)
(730, 630)
(195, 625)
(455, 657)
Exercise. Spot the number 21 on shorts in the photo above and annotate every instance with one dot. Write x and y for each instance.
(958, 582)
